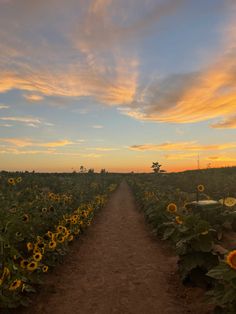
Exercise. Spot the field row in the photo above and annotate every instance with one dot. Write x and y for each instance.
(40, 215)
(201, 227)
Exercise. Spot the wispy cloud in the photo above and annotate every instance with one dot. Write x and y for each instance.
(23, 142)
(195, 96)
(2, 106)
(97, 126)
(103, 149)
(222, 158)
(181, 146)
(58, 143)
(87, 57)
(228, 123)
(18, 142)
(26, 120)
(33, 97)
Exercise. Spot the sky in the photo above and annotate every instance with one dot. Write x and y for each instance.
(117, 84)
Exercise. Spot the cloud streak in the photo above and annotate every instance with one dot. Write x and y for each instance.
(181, 146)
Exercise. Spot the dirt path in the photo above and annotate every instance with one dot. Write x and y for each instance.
(118, 266)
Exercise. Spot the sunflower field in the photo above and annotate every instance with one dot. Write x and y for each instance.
(40, 216)
(196, 212)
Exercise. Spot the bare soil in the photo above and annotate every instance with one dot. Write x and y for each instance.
(117, 266)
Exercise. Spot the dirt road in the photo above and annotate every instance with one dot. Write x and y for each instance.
(118, 266)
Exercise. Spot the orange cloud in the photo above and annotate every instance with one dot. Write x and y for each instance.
(17, 142)
(33, 97)
(57, 143)
(228, 123)
(181, 146)
(193, 97)
(21, 142)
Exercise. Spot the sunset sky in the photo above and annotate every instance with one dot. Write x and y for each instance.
(117, 84)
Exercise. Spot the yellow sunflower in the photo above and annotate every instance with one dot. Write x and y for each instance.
(45, 268)
(6, 272)
(200, 188)
(18, 180)
(11, 181)
(60, 229)
(30, 246)
(231, 259)
(52, 244)
(32, 266)
(172, 208)
(178, 220)
(230, 201)
(15, 284)
(71, 238)
(61, 239)
(24, 263)
(37, 257)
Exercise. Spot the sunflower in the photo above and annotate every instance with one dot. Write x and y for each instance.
(231, 259)
(60, 229)
(49, 233)
(44, 210)
(18, 180)
(30, 246)
(18, 234)
(41, 245)
(6, 272)
(45, 268)
(11, 181)
(172, 208)
(200, 188)
(24, 263)
(37, 256)
(52, 244)
(15, 284)
(71, 238)
(76, 231)
(32, 266)
(51, 209)
(60, 239)
(178, 220)
(25, 218)
(230, 201)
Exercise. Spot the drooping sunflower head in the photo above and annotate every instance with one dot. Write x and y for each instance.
(178, 220)
(231, 259)
(37, 256)
(32, 266)
(200, 188)
(25, 218)
(15, 284)
(172, 208)
(71, 238)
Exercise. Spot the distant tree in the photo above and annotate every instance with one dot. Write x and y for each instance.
(156, 167)
(82, 169)
(103, 171)
(91, 171)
